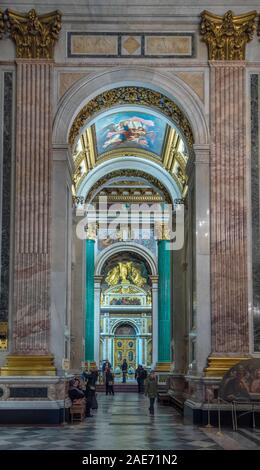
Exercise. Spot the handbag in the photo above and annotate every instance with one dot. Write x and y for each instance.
(110, 382)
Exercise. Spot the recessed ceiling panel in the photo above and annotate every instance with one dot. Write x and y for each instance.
(130, 129)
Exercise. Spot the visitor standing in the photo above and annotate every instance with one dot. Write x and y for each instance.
(124, 370)
(140, 375)
(109, 382)
(151, 390)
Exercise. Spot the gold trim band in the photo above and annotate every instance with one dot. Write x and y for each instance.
(218, 366)
(28, 365)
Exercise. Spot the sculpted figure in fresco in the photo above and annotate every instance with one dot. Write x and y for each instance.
(137, 278)
(125, 272)
(113, 276)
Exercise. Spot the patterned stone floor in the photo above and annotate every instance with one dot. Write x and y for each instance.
(121, 422)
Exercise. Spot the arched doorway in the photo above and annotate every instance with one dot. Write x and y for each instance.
(126, 311)
(125, 347)
(172, 184)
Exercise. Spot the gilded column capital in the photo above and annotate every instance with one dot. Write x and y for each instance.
(34, 35)
(91, 231)
(227, 36)
(162, 231)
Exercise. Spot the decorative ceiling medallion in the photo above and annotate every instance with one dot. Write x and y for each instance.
(133, 96)
(227, 36)
(35, 36)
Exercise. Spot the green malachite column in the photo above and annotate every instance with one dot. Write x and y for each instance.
(164, 302)
(89, 323)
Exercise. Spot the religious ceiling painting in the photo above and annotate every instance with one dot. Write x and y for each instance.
(132, 129)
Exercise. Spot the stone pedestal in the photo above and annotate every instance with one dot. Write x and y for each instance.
(34, 400)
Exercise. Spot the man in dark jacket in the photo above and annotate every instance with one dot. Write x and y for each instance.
(151, 390)
(124, 370)
(140, 375)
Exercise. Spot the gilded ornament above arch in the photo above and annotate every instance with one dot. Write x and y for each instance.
(132, 96)
(129, 173)
(226, 36)
(34, 35)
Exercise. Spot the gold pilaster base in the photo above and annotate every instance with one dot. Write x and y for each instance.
(218, 366)
(28, 365)
(163, 367)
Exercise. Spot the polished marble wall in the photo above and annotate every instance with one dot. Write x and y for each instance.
(255, 208)
(6, 194)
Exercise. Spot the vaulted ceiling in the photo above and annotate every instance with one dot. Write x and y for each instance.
(135, 131)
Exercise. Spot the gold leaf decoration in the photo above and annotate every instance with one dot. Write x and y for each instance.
(227, 36)
(133, 96)
(35, 36)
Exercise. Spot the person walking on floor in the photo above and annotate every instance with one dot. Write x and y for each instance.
(140, 375)
(109, 382)
(151, 390)
(124, 370)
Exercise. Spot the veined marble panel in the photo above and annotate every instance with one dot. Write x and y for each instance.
(255, 205)
(165, 45)
(195, 80)
(66, 80)
(6, 195)
(93, 44)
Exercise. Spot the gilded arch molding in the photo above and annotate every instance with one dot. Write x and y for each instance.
(126, 173)
(129, 247)
(132, 95)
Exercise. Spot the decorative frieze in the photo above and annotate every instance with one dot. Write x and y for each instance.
(34, 35)
(227, 36)
(138, 45)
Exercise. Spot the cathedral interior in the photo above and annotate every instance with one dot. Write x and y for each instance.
(130, 221)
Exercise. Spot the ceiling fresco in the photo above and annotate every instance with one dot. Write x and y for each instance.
(130, 129)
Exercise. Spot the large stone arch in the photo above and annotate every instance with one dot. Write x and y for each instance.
(68, 108)
(87, 88)
(130, 163)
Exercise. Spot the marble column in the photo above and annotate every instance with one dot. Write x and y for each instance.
(201, 257)
(89, 322)
(97, 291)
(229, 285)
(164, 302)
(154, 280)
(33, 173)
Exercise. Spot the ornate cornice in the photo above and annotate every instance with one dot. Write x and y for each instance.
(129, 173)
(35, 36)
(132, 95)
(2, 25)
(227, 36)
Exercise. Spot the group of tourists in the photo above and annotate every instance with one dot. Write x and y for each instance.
(83, 389)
